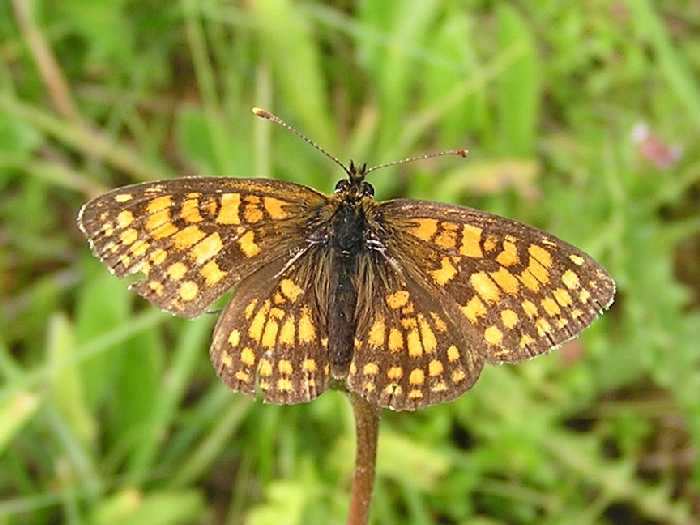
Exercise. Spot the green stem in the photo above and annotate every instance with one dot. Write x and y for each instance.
(367, 432)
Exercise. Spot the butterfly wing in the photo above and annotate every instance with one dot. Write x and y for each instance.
(409, 351)
(272, 337)
(194, 238)
(519, 291)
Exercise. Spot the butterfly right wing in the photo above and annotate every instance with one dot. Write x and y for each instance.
(409, 353)
(518, 291)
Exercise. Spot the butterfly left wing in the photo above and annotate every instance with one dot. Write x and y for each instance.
(194, 238)
(272, 337)
(518, 291)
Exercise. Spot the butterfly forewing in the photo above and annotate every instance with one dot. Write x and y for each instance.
(194, 238)
(272, 338)
(520, 291)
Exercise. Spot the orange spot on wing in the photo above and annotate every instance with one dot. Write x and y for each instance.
(228, 212)
(208, 248)
(187, 237)
(445, 273)
(474, 309)
(255, 330)
(159, 203)
(158, 256)
(416, 377)
(542, 255)
(550, 306)
(190, 211)
(435, 368)
(275, 208)
(424, 229)
(577, 260)
(415, 349)
(234, 338)
(270, 334)
(509, 255)
(509, 318)
(248, 245)
(290, 290)
(252, 214)
(397, 300)
(490, 243)
(562, 297)
(506, 280)
(125, 218)
(128, 236)
(570, 280)
(377, 333)
(485, 287)
(539, 271)
(529, 308)
(452, 354)
(395, 340)
(493, 335)
(212, 273)
(427, 335)
(471, 239)
(307, 330)
(287, 332)
(448, 236)
(188, 290)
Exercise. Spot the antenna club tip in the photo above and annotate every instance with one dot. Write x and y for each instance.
(462, 152)
(262, 113)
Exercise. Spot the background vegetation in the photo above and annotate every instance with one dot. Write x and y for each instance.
(582, 117)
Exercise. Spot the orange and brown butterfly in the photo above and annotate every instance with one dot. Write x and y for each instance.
(401, 302)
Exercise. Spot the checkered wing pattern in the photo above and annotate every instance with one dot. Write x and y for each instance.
(194, 238)
(272, 337)
(517, 291)
(409, 351)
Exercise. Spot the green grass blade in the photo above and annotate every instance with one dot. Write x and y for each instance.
(67, 388)
(192, 345)
(673, 65)
(518, 93)
(15, 412)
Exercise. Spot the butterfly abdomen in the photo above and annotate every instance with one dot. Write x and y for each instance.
(346, 246)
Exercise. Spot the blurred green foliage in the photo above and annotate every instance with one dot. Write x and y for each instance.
(110, 411)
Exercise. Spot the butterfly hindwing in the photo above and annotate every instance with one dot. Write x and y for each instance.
(520, 291)
(272, 338)
(194, 238)
(409, 352)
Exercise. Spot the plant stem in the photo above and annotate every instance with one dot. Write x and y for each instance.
(367, 432)
(49, 68)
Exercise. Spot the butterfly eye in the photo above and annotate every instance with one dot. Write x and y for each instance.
(367, 189)
(342, 185)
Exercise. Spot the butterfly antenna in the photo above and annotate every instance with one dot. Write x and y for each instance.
(263, 113)
(461, 152)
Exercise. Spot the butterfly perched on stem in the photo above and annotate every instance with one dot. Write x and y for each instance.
(401, 302)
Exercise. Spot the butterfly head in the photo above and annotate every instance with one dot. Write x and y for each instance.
(355, 186)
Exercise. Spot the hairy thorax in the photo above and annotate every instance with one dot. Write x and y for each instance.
(348, 243)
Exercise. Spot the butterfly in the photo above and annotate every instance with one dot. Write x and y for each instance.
(401, 302)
